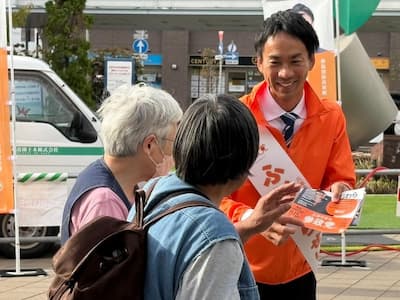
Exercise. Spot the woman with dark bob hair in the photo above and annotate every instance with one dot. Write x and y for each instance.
(196, 253)
(217, 142)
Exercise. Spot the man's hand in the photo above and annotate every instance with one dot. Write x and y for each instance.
(279, 231)
(268, 209)
(337, 189)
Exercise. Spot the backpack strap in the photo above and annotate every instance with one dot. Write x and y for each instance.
(177, 207)
(141, 198)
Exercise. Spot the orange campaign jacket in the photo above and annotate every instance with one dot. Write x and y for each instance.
(321, 150)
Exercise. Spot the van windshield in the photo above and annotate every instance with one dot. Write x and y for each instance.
(38, 99)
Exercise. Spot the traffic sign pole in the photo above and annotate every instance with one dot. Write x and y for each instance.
(140, 46)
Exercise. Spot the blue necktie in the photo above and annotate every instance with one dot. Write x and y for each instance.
(288, 119)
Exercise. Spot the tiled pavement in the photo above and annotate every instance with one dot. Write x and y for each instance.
(21, 287)
(380, 279)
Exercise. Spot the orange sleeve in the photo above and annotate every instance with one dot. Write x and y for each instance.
(238, 202)
(233, 209)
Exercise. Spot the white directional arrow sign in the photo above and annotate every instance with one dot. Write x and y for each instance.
(140, 46)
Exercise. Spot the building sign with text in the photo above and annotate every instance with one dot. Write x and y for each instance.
(198, 60)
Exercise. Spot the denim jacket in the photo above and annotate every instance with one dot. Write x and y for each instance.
(177, 239)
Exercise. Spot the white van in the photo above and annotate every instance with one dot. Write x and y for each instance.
(55, 132)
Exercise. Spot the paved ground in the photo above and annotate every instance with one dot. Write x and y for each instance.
(380, 279)
(363, 238)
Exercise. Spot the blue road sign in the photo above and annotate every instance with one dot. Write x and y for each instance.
(140, 46)
(232, 58)
(232, 55)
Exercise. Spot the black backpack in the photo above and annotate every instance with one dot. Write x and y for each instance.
(106, 259)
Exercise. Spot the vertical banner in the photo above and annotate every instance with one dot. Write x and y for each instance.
(323, 75)
(319, 14)
(6, 183)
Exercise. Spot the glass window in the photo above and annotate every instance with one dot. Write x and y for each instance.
(237, 82)
(205, 81)
(253, 77)
(39, 100)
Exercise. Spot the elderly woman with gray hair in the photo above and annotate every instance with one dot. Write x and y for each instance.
(139, 125)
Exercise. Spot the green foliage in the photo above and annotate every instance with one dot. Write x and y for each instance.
(377, 184)
(381, 185)
(67, 49)
(363, 160)
(19, 19)
(20, 16)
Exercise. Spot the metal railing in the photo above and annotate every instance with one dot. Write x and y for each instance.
(379, 172)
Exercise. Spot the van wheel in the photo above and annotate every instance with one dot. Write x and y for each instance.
(27, 250)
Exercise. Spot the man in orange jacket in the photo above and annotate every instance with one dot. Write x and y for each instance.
(319, 147)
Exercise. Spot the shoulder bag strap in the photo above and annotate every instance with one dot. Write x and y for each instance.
(141, 198)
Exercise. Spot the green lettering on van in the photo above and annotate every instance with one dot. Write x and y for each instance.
(36, 150)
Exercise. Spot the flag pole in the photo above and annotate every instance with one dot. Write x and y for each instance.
(11, 100)
(343, 261)
(339, 91)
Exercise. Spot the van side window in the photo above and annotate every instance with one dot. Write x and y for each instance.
(40, 100)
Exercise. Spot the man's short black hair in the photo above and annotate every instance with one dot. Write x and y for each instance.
(291, 23)
(301, 8)
(217, 141)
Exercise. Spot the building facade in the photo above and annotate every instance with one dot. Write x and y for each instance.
(182, 41)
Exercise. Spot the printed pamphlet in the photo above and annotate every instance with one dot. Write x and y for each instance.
(318, 212)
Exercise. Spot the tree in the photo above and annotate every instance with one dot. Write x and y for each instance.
(20, 16)
(208, 69)
(19, 19)
(66, 48)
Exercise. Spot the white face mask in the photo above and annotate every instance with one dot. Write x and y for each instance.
(163, 167)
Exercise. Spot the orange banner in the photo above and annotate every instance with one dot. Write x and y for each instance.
(323, 76)
(6, 183)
